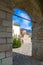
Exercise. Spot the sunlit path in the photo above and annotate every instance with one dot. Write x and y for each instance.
(26, 49)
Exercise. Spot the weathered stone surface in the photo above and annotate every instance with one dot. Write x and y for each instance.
(2, 14)
(2, 29)
(0, 62)
(7, 61)
(2, 55)
(9, 53)
(9, 40)
(38, 42)
(5, 34)
(41, 63)
(9, 16)
(5, 28)
(2, 40)
(35, 10)
(7, 23)
(9, 29)
(5, 47)
(21, 59)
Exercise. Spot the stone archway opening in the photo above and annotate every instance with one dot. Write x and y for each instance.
(34, 8)
(23, 19)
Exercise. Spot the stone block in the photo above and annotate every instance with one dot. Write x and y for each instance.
(9, 53)
(2, 5)
(5, 29)
(2, 29)
(6, 47)
(2, 55)
(5, 34)
(9, 16)
(2, 14)
(2, 40)
(1, 22)
(7, 23)
(9, 29)
(9, 40)
(7, 61)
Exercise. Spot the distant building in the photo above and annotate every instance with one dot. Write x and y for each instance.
(23, 32)
(15, 29)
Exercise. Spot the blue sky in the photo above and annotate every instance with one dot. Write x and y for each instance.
(25, 24)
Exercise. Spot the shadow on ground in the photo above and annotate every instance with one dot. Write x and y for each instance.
(20, 59)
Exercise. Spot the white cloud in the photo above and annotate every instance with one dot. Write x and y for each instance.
(23, 15)
(28, 28)
(25, 21)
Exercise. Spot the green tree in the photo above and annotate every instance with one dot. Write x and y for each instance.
(16, 42)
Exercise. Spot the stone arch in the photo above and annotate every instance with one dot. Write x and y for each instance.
(35, 10)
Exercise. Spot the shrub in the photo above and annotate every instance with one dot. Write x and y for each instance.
(16, 42)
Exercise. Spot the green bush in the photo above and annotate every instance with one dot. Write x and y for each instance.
(16, 42)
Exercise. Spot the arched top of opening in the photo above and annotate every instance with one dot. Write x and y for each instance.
(21, 17)
(21, 13)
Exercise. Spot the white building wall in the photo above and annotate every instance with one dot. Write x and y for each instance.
(15, 30)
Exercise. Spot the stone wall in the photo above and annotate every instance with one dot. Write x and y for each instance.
(37, 40)
(5, 37)
(6, 34)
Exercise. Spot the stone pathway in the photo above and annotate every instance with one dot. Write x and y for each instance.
(25, 49)
(22, 56)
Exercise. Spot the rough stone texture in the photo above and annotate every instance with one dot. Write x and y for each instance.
(20, 59)
(2, 55)
(0, 62)
(2, 14)
(5, 34)
(38, 40)
(9, 53)
(9, 29)
(6, 23)
(9, 17)
(41, 63)
(9, 40)
(2, 41)
(7, 61)
(35, 10)
(5, 47)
